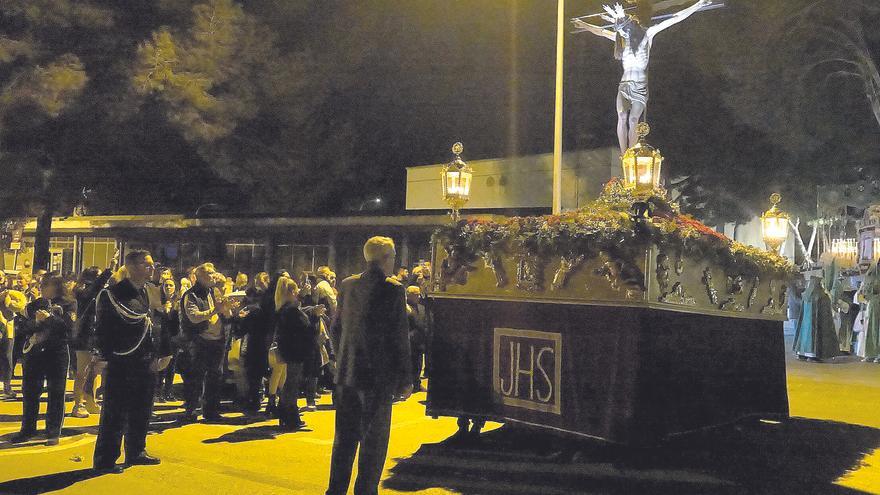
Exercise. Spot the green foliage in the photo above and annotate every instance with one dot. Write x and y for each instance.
(606, 226)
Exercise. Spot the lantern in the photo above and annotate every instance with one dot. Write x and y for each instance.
(641, 164)
(774, 223)
(456, 180)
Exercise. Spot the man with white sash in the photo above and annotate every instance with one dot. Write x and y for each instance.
(126, 340)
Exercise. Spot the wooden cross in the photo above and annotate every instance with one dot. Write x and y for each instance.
(659, 6)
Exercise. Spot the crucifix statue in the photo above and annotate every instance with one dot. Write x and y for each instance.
(633, 36)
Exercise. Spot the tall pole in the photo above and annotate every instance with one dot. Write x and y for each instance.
(557, 125)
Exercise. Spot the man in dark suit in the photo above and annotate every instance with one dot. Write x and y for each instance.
(126, 340)
(370, 333)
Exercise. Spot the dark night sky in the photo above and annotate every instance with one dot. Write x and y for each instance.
(397, 81)
(482, 72)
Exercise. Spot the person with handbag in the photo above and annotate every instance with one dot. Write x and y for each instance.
(12, 306)
(169, 314)
(88, 363)
(47, 331)
(296, 337)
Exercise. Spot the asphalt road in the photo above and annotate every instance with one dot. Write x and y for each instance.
(831, 445)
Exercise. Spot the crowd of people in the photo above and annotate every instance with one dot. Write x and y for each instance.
(265, 340)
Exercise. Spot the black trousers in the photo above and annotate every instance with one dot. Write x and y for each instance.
(417, 356)
(288, 411)
(256, 362)
(363, 417)
(128, 402)
(206, 376)
(6, 361)
(49, 365)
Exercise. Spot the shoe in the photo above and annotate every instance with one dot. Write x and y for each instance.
(310, 408)
(23, 436)
(79, 411)
(284, 426)
(143, 459)
(272, 405)
(158, 399)
(92, 407)
(9, 394)
(169, 397)
(115, 469)
(189, 417)
(212, 417)
(52, 441)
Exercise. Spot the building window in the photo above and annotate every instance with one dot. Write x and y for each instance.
(298, 258)
(98, 251)
(245, 257)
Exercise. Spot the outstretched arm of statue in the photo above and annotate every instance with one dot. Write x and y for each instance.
(605, 33)
(678, 17)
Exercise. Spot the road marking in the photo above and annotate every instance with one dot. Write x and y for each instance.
(61, 446)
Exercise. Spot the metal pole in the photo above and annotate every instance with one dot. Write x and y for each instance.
(557, 127)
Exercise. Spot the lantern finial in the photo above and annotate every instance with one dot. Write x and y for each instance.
(643, 129)
(775, 199)
(457, 148)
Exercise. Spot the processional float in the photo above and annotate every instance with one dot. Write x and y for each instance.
(625, 320)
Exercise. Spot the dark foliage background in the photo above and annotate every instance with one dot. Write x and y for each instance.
(314, 106)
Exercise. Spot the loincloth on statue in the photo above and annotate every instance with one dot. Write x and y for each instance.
(634, 91)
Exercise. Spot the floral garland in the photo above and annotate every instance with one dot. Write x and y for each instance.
(608, 225)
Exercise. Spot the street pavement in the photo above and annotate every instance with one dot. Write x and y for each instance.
(831, 445)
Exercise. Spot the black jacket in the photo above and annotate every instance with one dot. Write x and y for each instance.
(370, 332)
(199, 295)
(84, 330)
(124, 335)
(296, 334)
(62, 315)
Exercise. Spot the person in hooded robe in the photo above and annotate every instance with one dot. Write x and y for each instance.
(844, 314)
(815, 338)
(868, 320)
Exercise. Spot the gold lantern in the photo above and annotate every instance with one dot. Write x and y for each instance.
(774, 223)
(642, 164)
(456, 179)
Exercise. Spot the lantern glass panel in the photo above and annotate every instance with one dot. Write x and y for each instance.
(452, 179)
(629, 171)
(645, 170)
(465, 184)
(775, 228)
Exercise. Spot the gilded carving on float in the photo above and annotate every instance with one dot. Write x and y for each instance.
(679, 265)
(566, 266)
(453, 271)
(529, 272)
(619, 274)
(678, 296)
(710, 288)
(783, 298)
(662, 273)
(753, 294)
(731, 304)
(493, 262)
(735, 285)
